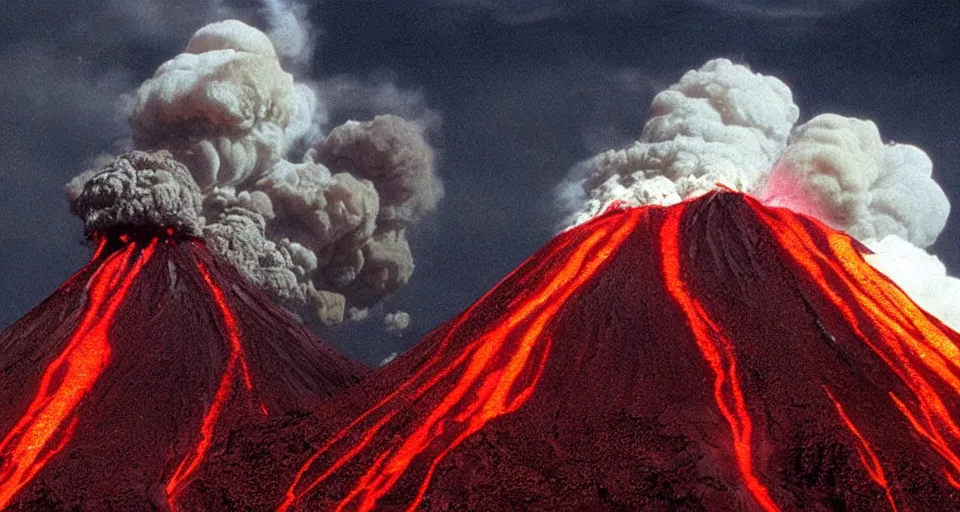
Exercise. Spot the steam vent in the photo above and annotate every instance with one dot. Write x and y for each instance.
(119, 389)
(717, 354)
(713, 355)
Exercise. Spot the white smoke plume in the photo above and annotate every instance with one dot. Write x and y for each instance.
(392, 154)
(725, 125)
(721, 123)
(224, 107)
(324, 232)
(838, 169)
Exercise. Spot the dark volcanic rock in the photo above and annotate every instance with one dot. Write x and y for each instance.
(131, 378)
(714, 355)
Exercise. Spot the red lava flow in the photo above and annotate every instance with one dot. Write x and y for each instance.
(498, 372)
(867, 456)
(236, 359)
(48, 423)
(917, 349)
(718, 350)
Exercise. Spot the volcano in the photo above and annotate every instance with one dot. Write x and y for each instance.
(717, 354)
(118, 388)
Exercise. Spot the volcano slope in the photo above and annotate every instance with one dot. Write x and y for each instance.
(712, 355)
(131, 376)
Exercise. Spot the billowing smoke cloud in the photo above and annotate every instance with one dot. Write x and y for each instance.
(721, 123)
(224, 106)
(144, 189)
(392, 154)
(838, 169)
(725, 125)
(215, 127)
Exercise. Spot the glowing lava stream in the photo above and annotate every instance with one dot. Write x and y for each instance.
(499, 371)
(189, 464)
(718, 351)
(917, 349)
(69, 378)
(873, 467)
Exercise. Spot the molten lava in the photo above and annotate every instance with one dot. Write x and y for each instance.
(118, 389)
(867, 456)
(717, 354)
(496, 373)
(919, 349)
(236, 358)
(713, 355)
(52, 414)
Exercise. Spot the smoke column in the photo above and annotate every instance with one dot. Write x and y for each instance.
(725, 126)
(217, 127)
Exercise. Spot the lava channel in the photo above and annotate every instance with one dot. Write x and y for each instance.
(496, 371)
(867, 456)
(917, 348)
(49, 422)
(236, 359)
(718, 351)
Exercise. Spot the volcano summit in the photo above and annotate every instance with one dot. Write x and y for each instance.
(717, 354)
(117, 388)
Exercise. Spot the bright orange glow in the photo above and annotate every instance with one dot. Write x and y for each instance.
(719, 354)
(39, 434)
(237, 358)
(496, 371)
(921, 352)
(867, 457)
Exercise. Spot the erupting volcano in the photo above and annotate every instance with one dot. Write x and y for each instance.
(717, 354)
(678, 348)
(122, 385)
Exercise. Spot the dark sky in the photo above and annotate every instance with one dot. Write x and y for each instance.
(524, 88)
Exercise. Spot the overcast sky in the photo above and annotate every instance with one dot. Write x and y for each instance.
(518, 90)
